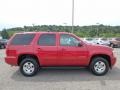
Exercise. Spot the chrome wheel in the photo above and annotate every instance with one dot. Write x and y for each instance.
(99, 67)
(28, 68)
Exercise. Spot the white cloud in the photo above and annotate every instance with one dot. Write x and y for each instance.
(87, 12)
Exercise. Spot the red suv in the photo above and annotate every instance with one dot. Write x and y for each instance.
(32, 50)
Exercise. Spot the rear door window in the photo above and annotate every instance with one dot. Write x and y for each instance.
(22, 39)
(47, 40)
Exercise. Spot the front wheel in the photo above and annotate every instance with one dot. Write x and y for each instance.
(29, 67)
(99, 66)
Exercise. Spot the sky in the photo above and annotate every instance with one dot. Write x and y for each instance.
(18, 13)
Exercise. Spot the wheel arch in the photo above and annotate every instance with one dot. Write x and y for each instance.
(105, 56)
(23, 56)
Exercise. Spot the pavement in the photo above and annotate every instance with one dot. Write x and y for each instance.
(59, 78)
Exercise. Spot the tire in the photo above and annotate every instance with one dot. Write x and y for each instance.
(29, 67)
(99, 66)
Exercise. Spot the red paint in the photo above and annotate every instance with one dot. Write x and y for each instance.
(57, 55)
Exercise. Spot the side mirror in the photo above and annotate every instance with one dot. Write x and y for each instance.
(80, 44)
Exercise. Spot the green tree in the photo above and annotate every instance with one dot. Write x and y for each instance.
(81, 31)
(4, 34)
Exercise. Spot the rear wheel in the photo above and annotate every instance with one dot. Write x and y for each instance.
(29, 67)
(99, 66)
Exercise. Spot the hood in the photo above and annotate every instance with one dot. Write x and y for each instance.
(100, 48)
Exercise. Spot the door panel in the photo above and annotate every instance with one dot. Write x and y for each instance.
(47, 49)
(72, 56)
(47, 55)
(70, 53)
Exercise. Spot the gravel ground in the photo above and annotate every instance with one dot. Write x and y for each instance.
(58, 79)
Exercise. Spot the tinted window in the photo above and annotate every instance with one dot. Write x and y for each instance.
(47, 40)
(22, 39)
(68, 40)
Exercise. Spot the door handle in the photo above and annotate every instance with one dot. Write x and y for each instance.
(39, 48)
(63, 49)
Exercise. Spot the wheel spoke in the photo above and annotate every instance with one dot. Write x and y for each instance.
(28, 68)
(99, 67)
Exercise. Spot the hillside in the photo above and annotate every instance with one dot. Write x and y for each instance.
(81, 31)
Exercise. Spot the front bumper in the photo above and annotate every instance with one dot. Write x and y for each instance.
(11, 61)
(113, 61)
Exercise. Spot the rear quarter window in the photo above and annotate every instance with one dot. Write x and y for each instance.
(22, 39)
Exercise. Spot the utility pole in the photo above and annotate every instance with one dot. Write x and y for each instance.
(65, 24)
(72, 16)
(97, 29)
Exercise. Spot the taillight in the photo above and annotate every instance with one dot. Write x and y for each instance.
(10, 52)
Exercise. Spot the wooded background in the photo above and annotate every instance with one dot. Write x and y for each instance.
(81, 31)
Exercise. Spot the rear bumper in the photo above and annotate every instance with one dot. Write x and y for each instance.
(11, 61)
